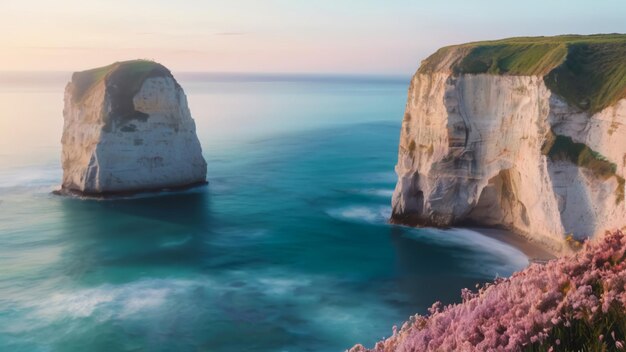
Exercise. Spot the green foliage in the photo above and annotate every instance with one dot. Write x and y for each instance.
(85, 80)
(564, 148)
(593, 76)
(123, 80)
(620, 189)
(513, 59)
(582, 335)
(589, 72)
(129, 75)
(559, 147)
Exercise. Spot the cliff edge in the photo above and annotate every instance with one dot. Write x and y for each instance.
(523, 133)
(127, 128)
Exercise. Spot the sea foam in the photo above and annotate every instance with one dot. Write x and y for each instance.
(360, 213)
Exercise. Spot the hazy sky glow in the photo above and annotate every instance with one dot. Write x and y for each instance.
(331, 36)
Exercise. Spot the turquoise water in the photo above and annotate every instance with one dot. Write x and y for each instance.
(286, 249)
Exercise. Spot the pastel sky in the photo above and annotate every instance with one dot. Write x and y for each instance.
(330, 36)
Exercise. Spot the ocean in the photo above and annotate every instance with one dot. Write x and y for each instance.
(287, 249)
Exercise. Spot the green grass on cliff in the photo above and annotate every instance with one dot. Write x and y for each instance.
(127, 76)
(560, 147)
(513, 59)
(123, 81)
(564, 148)
(589, 72)
(593, 76)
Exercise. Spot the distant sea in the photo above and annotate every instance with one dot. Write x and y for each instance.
(287, 248)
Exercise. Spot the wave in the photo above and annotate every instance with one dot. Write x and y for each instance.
(175, 243)
(485, 254)
(381, 192)
(369, 214)
(110, 301)
(488, 252)
(242, 296)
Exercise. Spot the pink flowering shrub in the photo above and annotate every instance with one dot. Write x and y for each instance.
(575, 303)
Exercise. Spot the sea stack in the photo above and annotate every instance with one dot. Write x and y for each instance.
(523, 133)
(128, 129)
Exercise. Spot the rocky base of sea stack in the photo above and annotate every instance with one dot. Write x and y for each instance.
(122, 194)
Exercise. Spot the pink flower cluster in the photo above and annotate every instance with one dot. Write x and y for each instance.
(525, 309)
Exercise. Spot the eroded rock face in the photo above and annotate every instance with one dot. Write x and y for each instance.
(128, 129)
(480, 148)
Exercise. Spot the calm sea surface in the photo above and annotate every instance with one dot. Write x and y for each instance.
(287, 249)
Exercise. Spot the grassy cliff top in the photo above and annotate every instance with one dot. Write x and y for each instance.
(123, 80)
(126, 76)
(589, 71)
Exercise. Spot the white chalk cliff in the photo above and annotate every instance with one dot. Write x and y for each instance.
(505, 150)
(127, 128)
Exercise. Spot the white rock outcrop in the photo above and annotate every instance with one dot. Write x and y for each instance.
(474, 150)
(127, 128)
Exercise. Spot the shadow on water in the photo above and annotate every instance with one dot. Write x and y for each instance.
(424, 281)
(148, 232)
(190, 208)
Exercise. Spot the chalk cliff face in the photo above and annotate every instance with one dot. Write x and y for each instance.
(128, 129)
(498, 148)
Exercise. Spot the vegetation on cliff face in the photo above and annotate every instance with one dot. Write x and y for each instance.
(123, 81)
(128, 76)
(589, 72)
(564, 148)
(575, 303)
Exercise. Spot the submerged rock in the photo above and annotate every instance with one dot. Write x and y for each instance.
(523, 133)
(128, 129)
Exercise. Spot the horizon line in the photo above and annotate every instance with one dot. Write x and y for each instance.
(268, 73)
